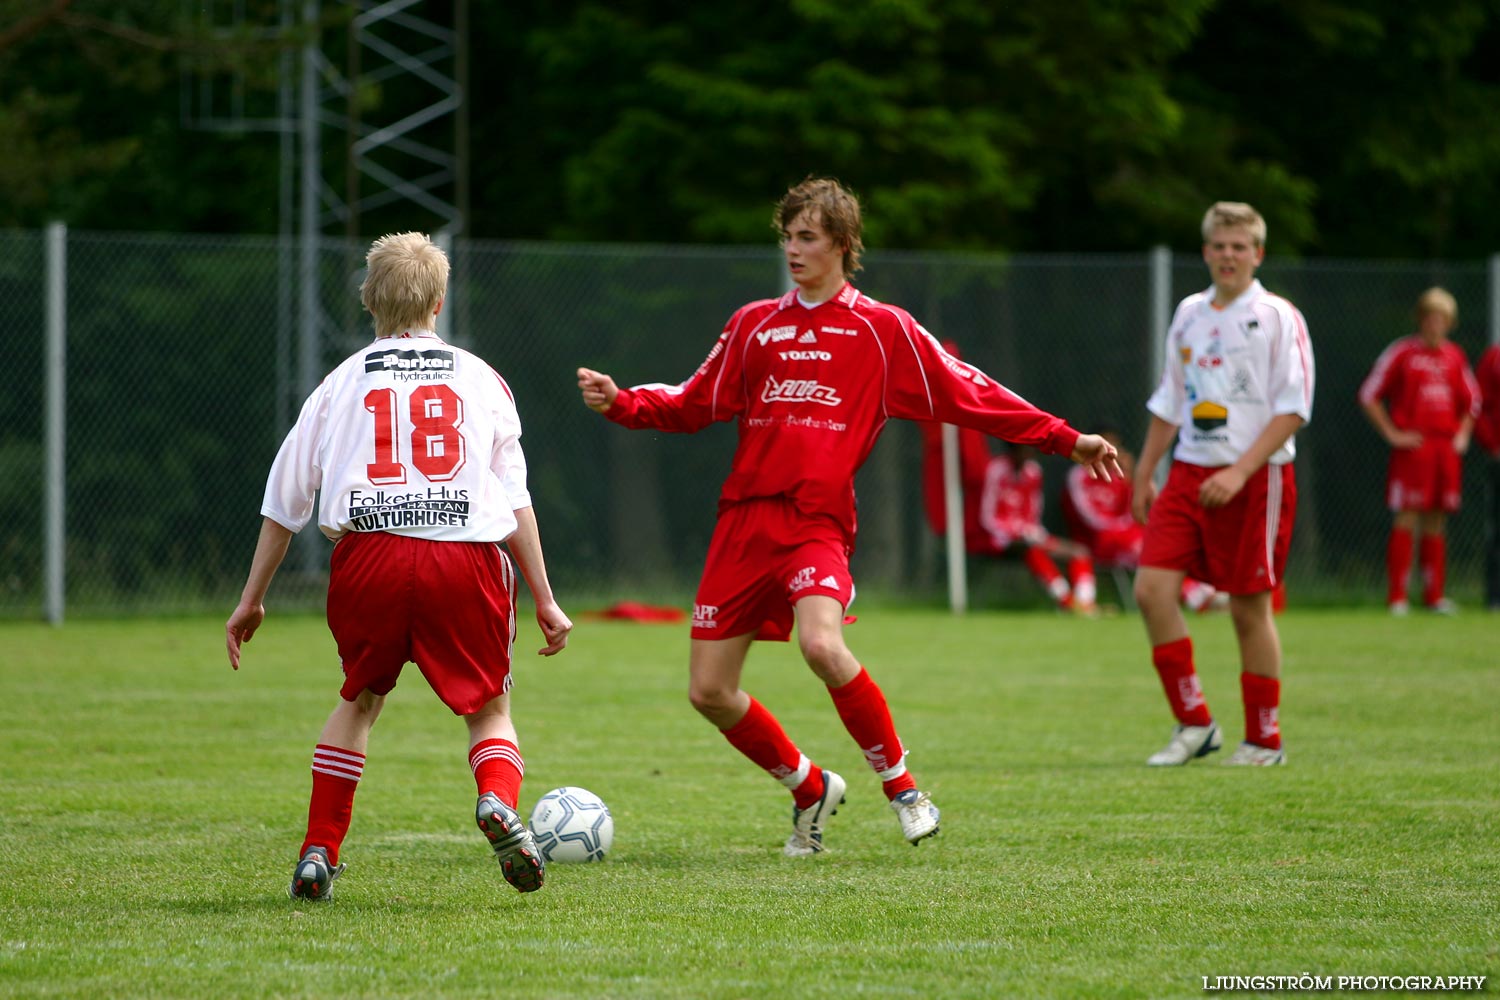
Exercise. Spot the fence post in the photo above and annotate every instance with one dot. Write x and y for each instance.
(953, 504)
(55, 495)
(1160, 261)
(1495, 298)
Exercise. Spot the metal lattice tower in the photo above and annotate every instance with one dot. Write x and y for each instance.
(395, 100)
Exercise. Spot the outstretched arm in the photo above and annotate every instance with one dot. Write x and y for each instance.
(270, 550)
(526, 546)
(599, 390)
(1097, 455)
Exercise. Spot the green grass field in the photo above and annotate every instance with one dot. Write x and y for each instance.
(152, 803)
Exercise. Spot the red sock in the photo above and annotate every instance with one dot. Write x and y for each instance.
(1044, 569)
(760, 737)
(498, 768)
(1262, 703)
(1397, 564)
(861, 705)
(1434, 556)
(336, 774)
(1174, 664)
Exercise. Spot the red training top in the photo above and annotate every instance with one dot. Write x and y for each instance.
(813, 387)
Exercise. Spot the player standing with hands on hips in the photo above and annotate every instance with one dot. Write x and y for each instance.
(1433, 400)
(416, 447)
(811, 379)
(1236, 385)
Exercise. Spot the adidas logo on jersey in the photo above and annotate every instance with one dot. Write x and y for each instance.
(829, 582)
(808, 338)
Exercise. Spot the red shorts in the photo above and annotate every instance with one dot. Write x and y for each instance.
(1241, 547)
(763, 559)
(1424, 478)
(448, 607)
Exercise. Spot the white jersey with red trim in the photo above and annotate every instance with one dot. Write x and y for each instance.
(813, 386)
(411, 436)
(1229, 371)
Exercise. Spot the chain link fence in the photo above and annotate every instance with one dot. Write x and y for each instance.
(186, 362)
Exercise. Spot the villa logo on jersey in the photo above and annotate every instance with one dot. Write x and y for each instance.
(704, 615)
(776, 334)
(1209, 416)
(805, 356)
(422, 365)
(799, 390)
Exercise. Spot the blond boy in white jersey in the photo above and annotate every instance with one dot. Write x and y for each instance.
(1237, 383)
(415, 445)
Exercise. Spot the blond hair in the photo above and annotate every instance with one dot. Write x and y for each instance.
(837, 209)
(405, 279)
(1234, 214)
(1438, 300)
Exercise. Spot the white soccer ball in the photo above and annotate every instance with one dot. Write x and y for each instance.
(572, 825)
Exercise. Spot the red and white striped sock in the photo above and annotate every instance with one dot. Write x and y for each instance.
(867, 717)
(499, 768)
(335, 777)
(760, 737)
(1179, 679)
(1262, 710)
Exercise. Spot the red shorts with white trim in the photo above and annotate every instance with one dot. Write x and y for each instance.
(1428, 477)
(1240, 547)
(763, 559)
(448, 607)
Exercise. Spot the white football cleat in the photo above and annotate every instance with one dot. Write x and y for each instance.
(807, 824)
(1400, 609)
(1255, 755)
(1187, 742)
(918, 816)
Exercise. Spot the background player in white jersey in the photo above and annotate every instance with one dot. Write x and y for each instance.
(1236, 385)
(415, 445)
(811, 378)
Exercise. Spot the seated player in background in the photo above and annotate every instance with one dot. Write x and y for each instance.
(1010, 512)
(1098, 516)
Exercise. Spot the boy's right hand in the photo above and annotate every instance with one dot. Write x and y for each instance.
(599, 390)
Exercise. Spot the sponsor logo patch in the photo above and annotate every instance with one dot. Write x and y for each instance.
(776, 334)
(419, 365)
(805, 356)
(1209, 416)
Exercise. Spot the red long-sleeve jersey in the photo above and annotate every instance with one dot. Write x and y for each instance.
(813, 387)
(1487, 427)
(1426, 389)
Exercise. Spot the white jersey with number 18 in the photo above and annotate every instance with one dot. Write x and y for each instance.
(411, 436)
